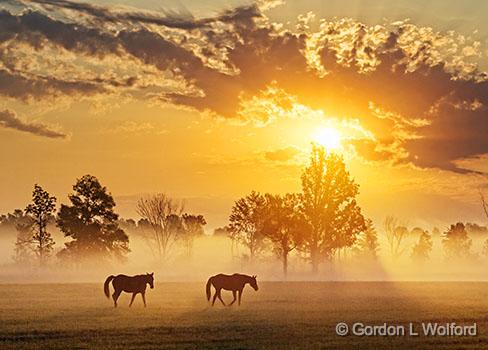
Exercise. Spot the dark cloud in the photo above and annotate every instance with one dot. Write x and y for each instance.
(17, 86)
(424, 104)
(8, 119)
(37, 29)
(181, 20)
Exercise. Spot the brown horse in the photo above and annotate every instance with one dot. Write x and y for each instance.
(234, 283)
(129, 284)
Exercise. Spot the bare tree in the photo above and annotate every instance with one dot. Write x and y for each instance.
(395, 234)
(159, 210)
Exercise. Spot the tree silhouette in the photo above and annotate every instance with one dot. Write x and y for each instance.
(329, 206)
(192, 228)
(395, 235)
(246, 223)
(40, 212)
(283, 225)
(367, 245)
(23, 244)
(91, 222)
(421, 250)
(162, 213)
(456, 242)
(221, 231)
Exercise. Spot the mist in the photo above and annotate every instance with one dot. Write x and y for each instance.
(212, 254)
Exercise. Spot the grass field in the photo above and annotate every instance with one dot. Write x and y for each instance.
(280, 315)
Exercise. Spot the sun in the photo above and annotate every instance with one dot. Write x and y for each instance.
(327, 137)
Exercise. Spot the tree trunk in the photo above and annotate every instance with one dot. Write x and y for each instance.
(285, 264)
(314, 257)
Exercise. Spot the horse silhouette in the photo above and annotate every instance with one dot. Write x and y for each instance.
(234, 283)
(129, 284)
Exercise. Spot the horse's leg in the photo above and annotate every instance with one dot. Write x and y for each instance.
(215, 297)
(240, 295)
(132, 299)
(234, 300)
(144, 298)
(220, 297)
(115, 296)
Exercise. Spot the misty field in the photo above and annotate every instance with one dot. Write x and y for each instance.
(279, 315)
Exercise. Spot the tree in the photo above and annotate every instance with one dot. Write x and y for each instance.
(225, 232)
(246, 221)
(421, 250)
(40, 211)
(283, 225)
(221, 231)
(395, 235)
(161, 211)
(91, 223)
(329, 206)
(456, 242)
(192, 228)
(484, 250)
(483, 203)
(367, 245)
(23, 244)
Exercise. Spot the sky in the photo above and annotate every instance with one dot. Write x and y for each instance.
(208, 100)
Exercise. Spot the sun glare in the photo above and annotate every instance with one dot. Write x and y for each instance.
(330, 138)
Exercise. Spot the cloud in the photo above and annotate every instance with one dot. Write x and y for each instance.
(181, 20)
(417, 91)
(282, 155)
(21, 87)
(8, 119)
(137, 128)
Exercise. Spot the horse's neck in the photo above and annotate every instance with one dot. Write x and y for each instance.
(142, 279)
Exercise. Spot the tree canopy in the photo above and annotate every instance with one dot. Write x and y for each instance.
(91, 223)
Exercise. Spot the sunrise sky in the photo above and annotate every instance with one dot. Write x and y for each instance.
(208, 100)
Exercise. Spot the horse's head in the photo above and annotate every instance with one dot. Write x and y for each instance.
(253, 282)
(150, 279)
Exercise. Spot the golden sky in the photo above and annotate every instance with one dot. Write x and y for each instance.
(208, 100)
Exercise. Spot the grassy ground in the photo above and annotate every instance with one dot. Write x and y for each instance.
(278, 316)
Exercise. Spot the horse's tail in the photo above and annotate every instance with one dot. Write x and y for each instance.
(106, 285)
(209, 284)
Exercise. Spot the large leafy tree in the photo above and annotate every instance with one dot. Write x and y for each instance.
(283, 225)
(246, 223)
(329, 206)
(91, 223)
(40, 212)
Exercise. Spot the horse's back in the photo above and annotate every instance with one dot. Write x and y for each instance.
(228, 282)
(129, 283)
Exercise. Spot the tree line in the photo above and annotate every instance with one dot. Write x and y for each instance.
(320, 223)
(92, 226)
